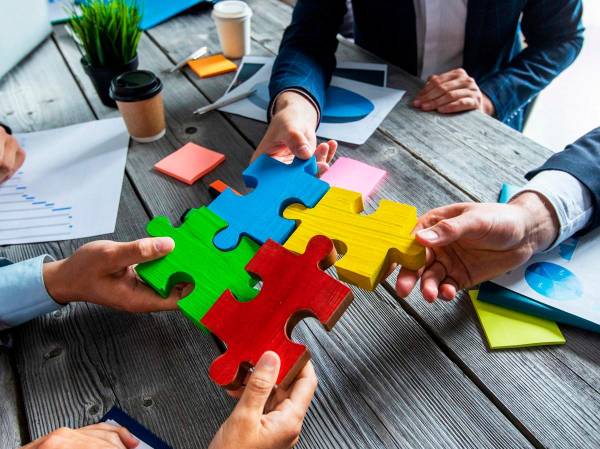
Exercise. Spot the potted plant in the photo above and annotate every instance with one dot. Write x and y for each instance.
(108, 32)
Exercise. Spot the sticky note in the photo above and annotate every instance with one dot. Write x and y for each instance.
(189, 163)
(353, 175)
(212, 66)
(506, 328)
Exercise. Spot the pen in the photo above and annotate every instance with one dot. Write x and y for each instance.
(224, 102)
(200, 52)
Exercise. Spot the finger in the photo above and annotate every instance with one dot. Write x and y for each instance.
(332, 150)
(463, 104)
(469, 225)
(260, 384)
(322, 152)
(440, 89)
(298, 144)
(7, 162)
(448, 289)
(432, 277)
(435, 80)
(130, 253)
(139, 298)
(20, 159)
(449, 97)
(322, 168)
(304, 387)
(406, 281)
(123, 434)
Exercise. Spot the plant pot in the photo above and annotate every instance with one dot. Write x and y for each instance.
(102, 76)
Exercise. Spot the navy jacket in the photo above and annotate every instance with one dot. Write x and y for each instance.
(510, 76)
(581, 159)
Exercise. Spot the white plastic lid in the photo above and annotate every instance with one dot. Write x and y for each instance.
(231, 9)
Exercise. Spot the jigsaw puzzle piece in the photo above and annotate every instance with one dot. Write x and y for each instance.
(196, 260)
(370, 243)
(258, 214)
(294, 287)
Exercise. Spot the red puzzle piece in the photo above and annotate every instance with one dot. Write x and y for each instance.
(294, 287)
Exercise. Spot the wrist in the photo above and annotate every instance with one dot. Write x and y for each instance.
(541, 221)
(55, 281)
(297, 103)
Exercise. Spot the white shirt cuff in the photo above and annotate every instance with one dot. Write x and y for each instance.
(571, 200)
(299, 92)
(23, 294)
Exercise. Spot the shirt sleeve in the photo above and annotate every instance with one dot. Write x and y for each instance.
(23, 294)
(571, 200)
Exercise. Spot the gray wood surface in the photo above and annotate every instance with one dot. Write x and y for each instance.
(392, 374)
(177, 94)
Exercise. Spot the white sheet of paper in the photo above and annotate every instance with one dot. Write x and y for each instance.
(356, 132)
(563, 278)
(141, 445)
(69, 186)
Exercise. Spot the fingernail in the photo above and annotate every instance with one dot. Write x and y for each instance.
(164, 244)
(304, 149)
(417, 103)
(268, 362)
(429, 234)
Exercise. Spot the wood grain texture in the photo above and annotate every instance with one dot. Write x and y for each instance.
(369, 244)
(10, 408)
(474, 153)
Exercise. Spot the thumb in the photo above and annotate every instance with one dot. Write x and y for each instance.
(450, 230)
(260, 384)
(143, 250)
(299, 145)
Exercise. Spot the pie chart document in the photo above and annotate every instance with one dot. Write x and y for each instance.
(353, 109)
(566, 281)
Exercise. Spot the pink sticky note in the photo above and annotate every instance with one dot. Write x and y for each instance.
(353, 175)
(189, 163)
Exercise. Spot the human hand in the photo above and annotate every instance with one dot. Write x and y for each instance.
(469, 243)
(103, 273)
(97, 436)
(12, 155)
(262, 420)
(453, 91)
(291, 133)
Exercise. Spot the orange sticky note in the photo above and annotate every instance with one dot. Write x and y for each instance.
(212, 66)
(189, 163)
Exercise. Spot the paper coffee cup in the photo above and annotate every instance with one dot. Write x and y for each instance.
(139, 99)
(232, 18)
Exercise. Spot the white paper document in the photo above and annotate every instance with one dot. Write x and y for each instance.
(565, 278)
(69, 186)
(353, 110)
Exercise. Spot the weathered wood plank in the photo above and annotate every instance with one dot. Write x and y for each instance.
(480, 154)
(90, 346)
(10, 409)
(480, 407)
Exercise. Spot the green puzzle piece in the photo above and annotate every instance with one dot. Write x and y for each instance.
(195, 259)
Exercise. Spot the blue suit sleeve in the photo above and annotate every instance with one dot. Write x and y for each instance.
(306, 56)
(581, 159)
(23, 294)
(554, 34)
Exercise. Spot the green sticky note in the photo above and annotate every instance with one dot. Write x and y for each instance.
(506, 328)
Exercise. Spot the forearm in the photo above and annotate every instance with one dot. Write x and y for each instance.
(306, 56)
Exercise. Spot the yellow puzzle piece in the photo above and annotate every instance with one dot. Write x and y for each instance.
(370, 243)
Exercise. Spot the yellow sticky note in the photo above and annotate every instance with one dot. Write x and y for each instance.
(506, 328)
(212, 66)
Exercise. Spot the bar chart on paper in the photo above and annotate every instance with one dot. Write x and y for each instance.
(69, 186)
(24, 215)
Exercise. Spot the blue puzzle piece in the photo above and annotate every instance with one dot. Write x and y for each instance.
(259, 213)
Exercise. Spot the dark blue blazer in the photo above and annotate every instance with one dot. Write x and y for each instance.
(509, 75)
(581, 159)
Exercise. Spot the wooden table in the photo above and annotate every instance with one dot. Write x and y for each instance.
(392, 373)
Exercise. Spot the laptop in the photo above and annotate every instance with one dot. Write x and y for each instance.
(23, 25)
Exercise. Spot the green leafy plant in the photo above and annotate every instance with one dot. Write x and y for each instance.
(108, 30)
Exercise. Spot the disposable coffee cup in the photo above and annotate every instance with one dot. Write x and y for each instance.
(139, 99)
(232, 18)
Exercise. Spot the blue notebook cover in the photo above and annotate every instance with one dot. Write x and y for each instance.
(157, 11)
(500, 296)
(140, 432)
